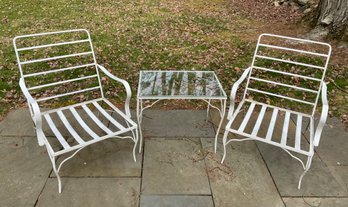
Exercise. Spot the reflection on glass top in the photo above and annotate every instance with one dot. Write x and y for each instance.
(179, 84)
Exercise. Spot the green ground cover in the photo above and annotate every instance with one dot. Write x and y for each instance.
(132, 35)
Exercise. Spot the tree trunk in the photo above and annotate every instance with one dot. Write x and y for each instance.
(332, 15)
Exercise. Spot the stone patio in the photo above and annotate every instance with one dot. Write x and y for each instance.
(177, 168)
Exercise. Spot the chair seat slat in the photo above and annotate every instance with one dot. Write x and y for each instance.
(56, 132)
(298, 132)
(259, 120)
(272, 124)
(83, 124)
(71, 130)
(108, 116)
(120, 112)
(247, 117)
(96, 119)
(279, 108)
(285, 129)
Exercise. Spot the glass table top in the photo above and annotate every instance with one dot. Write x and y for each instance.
(179, 84)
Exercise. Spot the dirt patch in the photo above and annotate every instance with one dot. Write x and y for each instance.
(265, 10)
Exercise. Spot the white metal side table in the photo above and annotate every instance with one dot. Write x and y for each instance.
(160, 85)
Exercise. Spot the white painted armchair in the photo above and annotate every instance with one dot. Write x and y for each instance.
(285, 81)
(52, 69)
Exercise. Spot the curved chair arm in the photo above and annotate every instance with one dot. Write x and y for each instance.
(35, 112)
(323, 116)
(125, 84)
(234, 92)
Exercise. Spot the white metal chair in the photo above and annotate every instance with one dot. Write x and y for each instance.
(86, 121)
(266, 80)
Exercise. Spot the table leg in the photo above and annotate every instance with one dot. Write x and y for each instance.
(140, 110)
(208, 110)
(222, 115)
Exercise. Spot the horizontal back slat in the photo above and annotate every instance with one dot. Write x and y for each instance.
(58, 70)
(67, 94)
(280, 96)
(50, 45)
(55, 58)
(294, 50)
(61, 82)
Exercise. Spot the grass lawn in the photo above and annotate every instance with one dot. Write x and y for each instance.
(131, 35)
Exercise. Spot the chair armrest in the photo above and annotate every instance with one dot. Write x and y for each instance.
(34, 110)
(234, 92)
(125, 84)
(323, 117)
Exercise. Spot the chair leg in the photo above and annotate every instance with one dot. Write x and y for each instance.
(56, 171)
(135, 139)
(308, 165)
(224, 140)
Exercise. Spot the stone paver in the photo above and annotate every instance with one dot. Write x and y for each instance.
(174, 166)
(243, 179)
(310, 202)
(333, 148)
(176, 123)
(176, 201)
(286, 171)
(20, 117)
(112, 157)
(341, 175)
(120, 192)
(24, 167)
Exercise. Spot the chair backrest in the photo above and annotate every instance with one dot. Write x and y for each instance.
(59, 65)
(288, 72)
